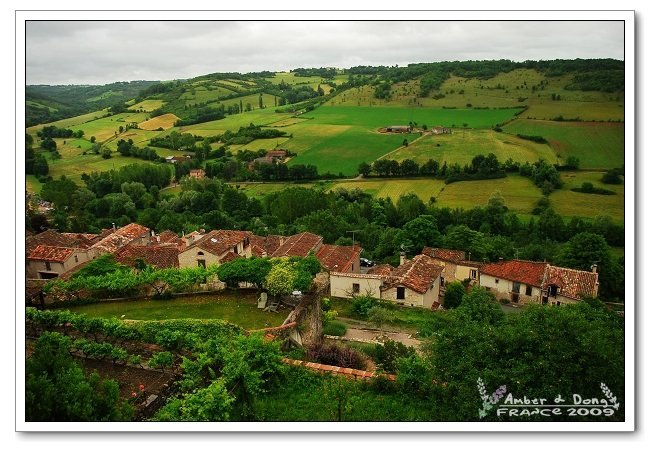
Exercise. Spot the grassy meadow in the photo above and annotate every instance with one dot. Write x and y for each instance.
(463, 145)
(597, 145)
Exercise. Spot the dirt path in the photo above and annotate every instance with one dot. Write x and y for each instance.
(402, 147)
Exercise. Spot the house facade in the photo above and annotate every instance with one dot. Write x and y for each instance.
(415, 283)
(215, 248)
(47, 262)
(517, 281)
(455, 266)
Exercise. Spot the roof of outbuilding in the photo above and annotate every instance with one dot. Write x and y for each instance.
(299, 245)
(51, 253)
(154, 255)
(338, 258)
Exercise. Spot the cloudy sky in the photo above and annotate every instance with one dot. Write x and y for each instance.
(103, 52)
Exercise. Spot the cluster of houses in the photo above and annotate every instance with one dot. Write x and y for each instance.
(271, 158)
(419, 281)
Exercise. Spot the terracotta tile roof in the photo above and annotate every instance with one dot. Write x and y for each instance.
(229, 256)
(357, 275)
(417, 274)
(526, 272)
(54, 238)
(121, 237)
(474, 264)
(261, 246)
(575, 284)
(169, 237)
(299, 245)
(338, 258)
(157, 256)
(444, 254)
(381, 269)
(51, 253)
(220, 241)
(276, 153)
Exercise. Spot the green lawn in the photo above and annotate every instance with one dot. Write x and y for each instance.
(598, 145)
(240, 309)
(463, 145)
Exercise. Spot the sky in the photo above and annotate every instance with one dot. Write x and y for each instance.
(99, 52)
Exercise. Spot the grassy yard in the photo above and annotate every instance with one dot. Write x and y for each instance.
(463, 145)
(238, 308)
(598, 145)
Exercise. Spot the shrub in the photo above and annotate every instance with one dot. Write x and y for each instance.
(388, 354)
(335, 328)
(335, 355)
(361, 305)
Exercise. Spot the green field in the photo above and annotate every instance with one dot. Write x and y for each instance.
(463, 145)
(597, 145)
(262, 189)
(69, 122)
(238, 309)
(233, 123)
(74, 166)
(147, 105)
(394, 188)
(569, 203)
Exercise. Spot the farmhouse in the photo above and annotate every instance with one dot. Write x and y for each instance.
(216, 248)
(439, 130)
(515, 280)
(456, 267)
(566, 285)
(65, 239)
(415, 282)
(47, 262)
(299, 245)
(178, 158)
(336, 258)
(279, 154)
(397, 129)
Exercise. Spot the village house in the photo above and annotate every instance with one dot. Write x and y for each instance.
(64, 239)
(215, 248)
(416, 283)
(197, 173)
(538, 282)
(299, 245)
(338, 258)
(47, 262)
(131, 234)
(456, 267)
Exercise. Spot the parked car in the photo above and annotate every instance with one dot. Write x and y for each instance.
(366, 262)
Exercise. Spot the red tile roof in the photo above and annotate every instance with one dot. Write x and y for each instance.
(54, 238)
(575, 284)
(338, 258)
(266, 246)
(444, 254)
(51, 253)
(220, 241)
(229, 256)
(417, 274)
(276, 153)
(381, 269)
(169, 237)
(121, 237)
(299, 245)
(526, 272)
(157, 256)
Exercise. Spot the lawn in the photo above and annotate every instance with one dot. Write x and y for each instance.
(463, 145)
(598, 145)
(240, 309)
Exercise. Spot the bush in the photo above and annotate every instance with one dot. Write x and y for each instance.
(335, 328)
(388, 354)
(361, 305)
(335, 355)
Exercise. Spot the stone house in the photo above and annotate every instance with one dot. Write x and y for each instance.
(456, 267)
(518, 281)
(215, 248)
(47, 262)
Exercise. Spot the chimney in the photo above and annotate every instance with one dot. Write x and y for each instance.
(114, 228)
(402, 257)
(594, 268)
(500, 259)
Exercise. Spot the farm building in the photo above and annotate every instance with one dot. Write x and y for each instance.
(397, 129)
(439, 130)
(279, 154)
(416, 282)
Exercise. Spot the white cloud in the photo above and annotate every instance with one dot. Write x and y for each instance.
(103, 52)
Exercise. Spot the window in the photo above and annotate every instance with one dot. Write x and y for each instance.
(516, 287)
(355, 288)
(442, 281)
(234, 249)
(472, 274)
(496, 281)
(48, 266)
(200, 253)
(552, 291)
(401, 293)
(201, 263)
(529, 290)
(76, 258)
